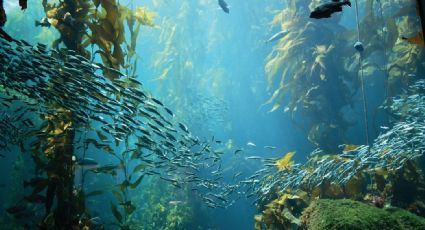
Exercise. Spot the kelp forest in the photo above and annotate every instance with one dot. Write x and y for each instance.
(212, 114)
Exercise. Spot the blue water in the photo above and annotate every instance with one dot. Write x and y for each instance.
(216, 85)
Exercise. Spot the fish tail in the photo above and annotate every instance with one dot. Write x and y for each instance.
(37, 23)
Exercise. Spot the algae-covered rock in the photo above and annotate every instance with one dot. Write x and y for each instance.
(348, 214)
(407, 220)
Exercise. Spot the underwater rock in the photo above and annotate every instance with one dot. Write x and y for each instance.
(348, 214)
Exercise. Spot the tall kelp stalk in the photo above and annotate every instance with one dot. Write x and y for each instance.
(318, 76)
(81, 24)
(59, 149)
(305, 72)
(391, 34)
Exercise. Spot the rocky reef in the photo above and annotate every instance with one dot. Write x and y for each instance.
(348, 214)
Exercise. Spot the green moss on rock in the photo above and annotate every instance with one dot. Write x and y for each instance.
(348, 214)
(407, 220)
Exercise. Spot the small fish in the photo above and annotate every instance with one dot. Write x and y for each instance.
(105, 169)
(418, 39)
(251, 144)
(169, 111)
(278, 36)
(269, 147)
(224, 6)
(176, 202)
(158, 102)
(69, 19)
(253, 158)
(325, 10)
(183, 127)
(238, 151)
(23, 4)
(44, 22)
(87, 163)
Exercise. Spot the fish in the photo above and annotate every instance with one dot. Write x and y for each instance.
(238, 151)
(418, 39)
(253, 158)
(183, 127)
(87, 163)
(6, 35)
(44, 22)
(23, 4)
(105, 169)
(224, 6)
(169, 111)
(176, 202)
(76, 84)
(269, 147)
(158, 102)
(251, 144)
(278, 36)
(69, 19)
(325, 10)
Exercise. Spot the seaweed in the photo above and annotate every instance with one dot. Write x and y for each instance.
(305, 71)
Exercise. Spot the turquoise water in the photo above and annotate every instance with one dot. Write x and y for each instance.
(234, 98)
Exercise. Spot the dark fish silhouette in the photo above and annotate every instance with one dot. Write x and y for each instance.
(44, 22)
(6, 35)
(23, 4)
(325, 10)
(3, 18)
(224, 6)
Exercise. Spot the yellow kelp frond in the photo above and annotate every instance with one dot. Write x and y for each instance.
(144, 16)
(285, 162)
(278, 18)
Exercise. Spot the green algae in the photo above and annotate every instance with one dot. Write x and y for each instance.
(348, 214)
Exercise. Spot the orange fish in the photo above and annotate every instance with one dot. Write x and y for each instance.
(418, 39)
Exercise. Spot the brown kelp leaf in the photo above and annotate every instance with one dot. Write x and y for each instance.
(118, 196)
(124, 185)
(136, 154)
(116, 213)
(129, 209)
(137, 182)
(144, 16)
(139, 167)
(118, 54)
